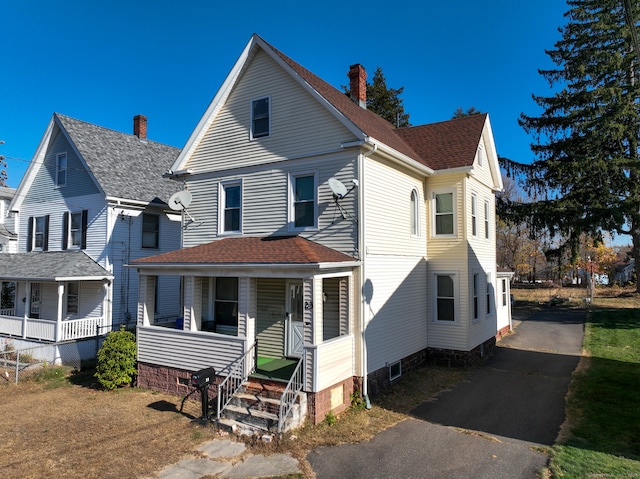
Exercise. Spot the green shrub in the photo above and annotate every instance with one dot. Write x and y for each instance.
(117, 360)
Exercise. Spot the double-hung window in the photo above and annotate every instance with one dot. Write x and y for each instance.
(504, 292)
(74, 233)
(489, 291)
(261, 117)
(486, 219)
(230, 207)
(474, 214)
(476, 280)
(150, 230)
(38, 233)
(444, 216)
(445, 297)
(72, 298)
(304, 201)
(61, 169)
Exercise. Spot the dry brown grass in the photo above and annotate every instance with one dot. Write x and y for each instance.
(605, 296)
(78, 431)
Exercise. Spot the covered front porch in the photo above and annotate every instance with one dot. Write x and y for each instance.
(57, 296)
(262, 312)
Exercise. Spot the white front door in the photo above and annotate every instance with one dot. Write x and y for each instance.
(295, 324)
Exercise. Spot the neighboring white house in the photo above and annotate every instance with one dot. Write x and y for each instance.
(8, 236)
(92, 200)
(317, 230)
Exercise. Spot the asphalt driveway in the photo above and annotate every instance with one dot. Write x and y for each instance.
(486, 426)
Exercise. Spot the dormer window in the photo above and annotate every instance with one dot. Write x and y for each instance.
(61, 169)
(260, 117)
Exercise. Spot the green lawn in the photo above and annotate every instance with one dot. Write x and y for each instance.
(604, 403)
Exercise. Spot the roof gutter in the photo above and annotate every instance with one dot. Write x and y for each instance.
(377, 146)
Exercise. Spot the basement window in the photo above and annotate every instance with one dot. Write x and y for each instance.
(395, 371)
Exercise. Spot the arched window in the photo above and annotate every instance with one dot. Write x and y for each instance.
(415, 214)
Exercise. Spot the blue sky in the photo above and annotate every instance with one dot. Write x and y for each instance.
(104, 62)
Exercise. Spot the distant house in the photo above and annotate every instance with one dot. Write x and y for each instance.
(8, 236)
(91, 201)
(318, 232)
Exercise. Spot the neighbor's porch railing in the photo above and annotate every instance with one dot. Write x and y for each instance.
(47, 329)
(238, 373)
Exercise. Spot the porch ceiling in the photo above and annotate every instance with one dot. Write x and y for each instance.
(280, 251)
(51, 266)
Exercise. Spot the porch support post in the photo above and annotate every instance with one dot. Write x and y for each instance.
(59, 312)
(27, 307)
(105, 318)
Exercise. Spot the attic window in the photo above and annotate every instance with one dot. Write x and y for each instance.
(260, 117)
(480, 155)
(61, 169)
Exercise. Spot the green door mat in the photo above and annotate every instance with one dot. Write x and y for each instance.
(275, 368)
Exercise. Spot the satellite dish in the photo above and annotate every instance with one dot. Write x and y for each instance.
(180, 200)
(337, 187)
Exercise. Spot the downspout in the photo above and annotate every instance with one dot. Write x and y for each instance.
(364, 310)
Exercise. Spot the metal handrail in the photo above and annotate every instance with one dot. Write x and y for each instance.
(235, 379)
(290, 394)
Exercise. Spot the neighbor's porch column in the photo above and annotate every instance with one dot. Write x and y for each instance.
(58, 336)
(27, 307)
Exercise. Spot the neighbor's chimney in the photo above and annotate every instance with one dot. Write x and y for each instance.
(358, 84)
(140, 126)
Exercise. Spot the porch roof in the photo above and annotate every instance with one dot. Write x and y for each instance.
(252, 251)
(51, 266)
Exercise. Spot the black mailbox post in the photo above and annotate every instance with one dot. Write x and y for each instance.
(201, 380)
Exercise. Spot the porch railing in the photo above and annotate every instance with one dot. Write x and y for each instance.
(238, 373)
(290, 395)
(47, 329)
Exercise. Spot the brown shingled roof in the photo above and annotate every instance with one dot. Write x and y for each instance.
(448, 144)
(253, 250)
(443, 145)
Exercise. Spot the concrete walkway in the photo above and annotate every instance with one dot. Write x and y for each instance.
(489, 426)
(224, 458)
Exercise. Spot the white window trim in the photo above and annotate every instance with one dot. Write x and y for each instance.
(490, 301)
(291, 200)
(480, 155)
(474, 214)
(456, 297)
(474, 294)
(70, 244)
(415, 225)
(34, 232)
(66, 299)
(222, 205)
(251, 137)
(487, 224)
(58, 170)
(454, 193)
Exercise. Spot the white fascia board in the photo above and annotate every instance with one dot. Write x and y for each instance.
(34, 166)
(214, 107)
(469, 170)
(124, 202)
(266, 270)
(395, 155)
(487, 135)
(83, 278)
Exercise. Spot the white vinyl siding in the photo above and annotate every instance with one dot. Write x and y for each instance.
(387, 215)
(265, 203)
(295, 114)
(397, 319)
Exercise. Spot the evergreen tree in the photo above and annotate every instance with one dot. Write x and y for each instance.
(460, 113)
(586, 175)
(386, 101)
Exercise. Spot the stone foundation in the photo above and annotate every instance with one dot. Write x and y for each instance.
(379, 380)
(453, 358)
(176, 382)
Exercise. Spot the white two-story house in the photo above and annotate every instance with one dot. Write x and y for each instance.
(91, 201)
(318, 232)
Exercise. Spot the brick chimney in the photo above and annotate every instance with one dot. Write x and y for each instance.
(140, 126)
(358, 84)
